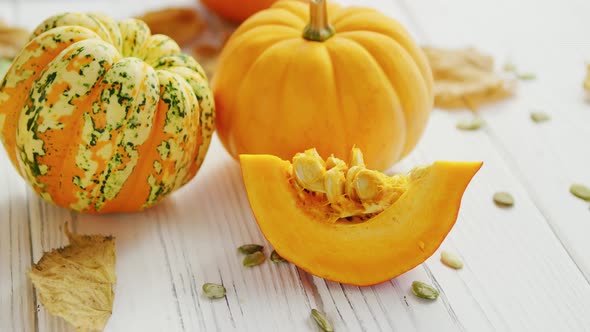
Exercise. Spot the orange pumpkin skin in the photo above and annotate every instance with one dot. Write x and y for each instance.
(99, 116)
(367, 253)
(237, 10)
(368, 86)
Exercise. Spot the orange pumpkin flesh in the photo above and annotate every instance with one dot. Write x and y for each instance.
(387, 245)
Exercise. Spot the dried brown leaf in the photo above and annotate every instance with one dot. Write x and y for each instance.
(12, 39)
(75, 282)
(206, 50)
(207, 55)
(465, 78)
(183, 24)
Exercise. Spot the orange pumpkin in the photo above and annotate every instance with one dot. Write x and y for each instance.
(290, 79)
(350, 224)
(237, 10)
(99, 116)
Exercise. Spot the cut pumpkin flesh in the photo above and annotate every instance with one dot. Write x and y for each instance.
(365, 246)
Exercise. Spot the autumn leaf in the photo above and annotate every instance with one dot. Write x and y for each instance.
(12, 39)
(183, 24)
(75, 282)
(465, 78)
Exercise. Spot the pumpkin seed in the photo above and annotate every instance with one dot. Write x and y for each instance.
(250, 248)
(526, 76)
(509, 67)
(451, 260)
(253, 259)
(276, 258)
(424, 290)
(540, 117)
(503, 199)
(580, 191)
(321, 320)
(472, 124)
(213, 291)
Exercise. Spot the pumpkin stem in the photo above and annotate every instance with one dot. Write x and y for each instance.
(318, 29)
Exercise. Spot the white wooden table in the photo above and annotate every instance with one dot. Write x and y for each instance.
(526, 268)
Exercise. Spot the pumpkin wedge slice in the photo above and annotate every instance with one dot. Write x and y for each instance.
(366, 252)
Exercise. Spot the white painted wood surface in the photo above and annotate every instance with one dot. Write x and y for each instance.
(526, 268)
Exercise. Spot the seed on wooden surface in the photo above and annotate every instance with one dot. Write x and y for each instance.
(503, 199)
(424, 290)
(539, 117)
(250, 248)
(509, 67)
(253, 259)
(213, 291)
(580, 191)
(472, 124)
(276, 258)
(451, 260)
(321, 320)
(526, 76)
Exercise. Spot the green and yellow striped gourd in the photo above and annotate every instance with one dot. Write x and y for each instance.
(99, 116)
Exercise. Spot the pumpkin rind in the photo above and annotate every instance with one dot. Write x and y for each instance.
(104, 117)
(381, 248)
(277, 93)
(237, 10)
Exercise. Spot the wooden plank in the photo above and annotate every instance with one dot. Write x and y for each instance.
(511, 255)
(540, 161)
(17, 301)
(511, 281)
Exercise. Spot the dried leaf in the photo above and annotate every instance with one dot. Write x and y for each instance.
(465, 78)
(207, 55)
(183, 24)
(12, 39)
(75, 282)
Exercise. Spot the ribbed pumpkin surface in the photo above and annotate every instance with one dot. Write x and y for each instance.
(278, 93)
(100, 116)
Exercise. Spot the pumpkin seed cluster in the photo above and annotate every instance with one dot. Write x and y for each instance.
(347, 190)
